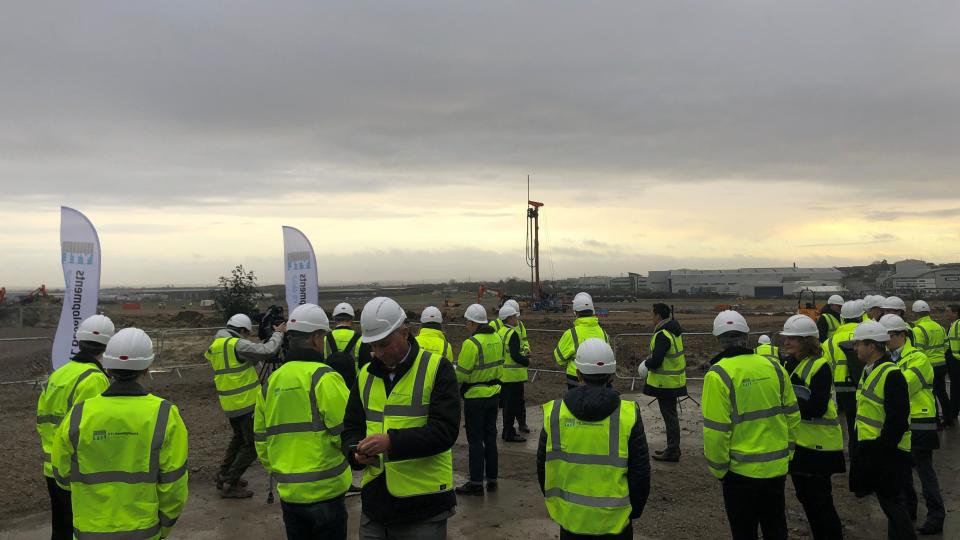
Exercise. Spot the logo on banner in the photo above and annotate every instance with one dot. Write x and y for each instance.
(298, 260)
(78, 253)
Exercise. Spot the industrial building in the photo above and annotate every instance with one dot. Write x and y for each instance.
(756, 282)
(913, 276)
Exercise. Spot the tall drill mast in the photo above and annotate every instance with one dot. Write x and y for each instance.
(533, 243)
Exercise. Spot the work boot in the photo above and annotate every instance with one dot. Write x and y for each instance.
(671, 456)
(470, 488)
(514, 438)
(243, 482)
(491, 486)
(235, 491)
(929, 528)
(523, 429)
(658, 452)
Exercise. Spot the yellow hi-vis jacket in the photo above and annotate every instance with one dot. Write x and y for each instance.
(870, 412)
(824, 433)
(69, 384)
(498, 325)
(953, 338)
(918, 373)
(931, 339)
(672, 373)
(750, 417)
(479, 365)
(513, 371)
(124, 459)
(297, 426)
(585, 469)
(768, 350)
(237, 382)
(407, 406)
(842, 382)
(583, 329)
(433, 340)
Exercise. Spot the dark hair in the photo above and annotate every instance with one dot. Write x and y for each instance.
(125, 374)
(343, 317)
(92, 347)
(585, 313)
(662, 310)
(810, 347)
(433, 325)
(954, 308)
(596, 379)
(298, 339)
(855, 319)
(880, 345)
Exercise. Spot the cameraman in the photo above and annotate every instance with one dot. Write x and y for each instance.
(233, 357)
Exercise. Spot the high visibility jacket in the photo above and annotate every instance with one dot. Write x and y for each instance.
(237, 382)
(750, 417)
(768, 350)
(585, 470)
(124, 459)
(931, 339)
(342, 337)
(480, 365)
(583, 329)
(953, 339)
(918, 372)
(870, 413)
(513, 371)
(498, 325)
(833, 322)
(407, 406)
(842, 382)
(297, 426)
(433, 340)
(822, 433)
(672, 373)
(69, 384)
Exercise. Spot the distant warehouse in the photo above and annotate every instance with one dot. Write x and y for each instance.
(757, 282)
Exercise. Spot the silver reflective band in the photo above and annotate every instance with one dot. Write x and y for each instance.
(237, 369)
(762, 457)
(167, 521)
(80, 379)
(259, 436)
(870, 421)
(587, 500)
(821, 421)
(174, 475)
(415, 409)
(718, 466)
(107, 477)
(315, 476)
(49, 419)
(586, 459)
(668, 371)
(141, 534)
(242, 389)
(716, 426)
(920, 426)
(239, 412)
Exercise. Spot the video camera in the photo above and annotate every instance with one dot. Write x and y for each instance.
(267, 320)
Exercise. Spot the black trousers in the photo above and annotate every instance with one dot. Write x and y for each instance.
(753, 502)
(480, 416)
(953, 371)
(847, 405)
(241, 451)
(671, 421)
(626, 534)
(815, 493)
(899, 524)
(61, 511)
(511, 395)
(929, 485)
(940, 391)
(326, 520)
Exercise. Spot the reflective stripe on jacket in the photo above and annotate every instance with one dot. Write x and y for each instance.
(68, 385)
(433, 340)
(931, 339)
(237, 382)
(824, 433)
(583, 329)
(672, 373)
(512, 370)
(479, 365)
(870, 411)
(918, 373)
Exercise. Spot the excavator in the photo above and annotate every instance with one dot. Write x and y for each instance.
(483, 290)
(810, 309)
(40, 293)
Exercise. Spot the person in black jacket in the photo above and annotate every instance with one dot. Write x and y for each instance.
(878, 464)
(829, 318)
(516, 360)
(952, 356)
(593, 403)
(384, 515)
(666, 394)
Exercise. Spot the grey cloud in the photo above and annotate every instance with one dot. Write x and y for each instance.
(932, 214)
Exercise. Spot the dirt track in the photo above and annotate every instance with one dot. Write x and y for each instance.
(685, 501)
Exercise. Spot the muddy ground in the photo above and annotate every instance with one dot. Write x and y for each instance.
(685, 500)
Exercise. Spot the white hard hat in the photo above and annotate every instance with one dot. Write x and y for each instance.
(595, 357)
(582, 302)
(800, 326)
(98, 328)
(642, 370)
(764, 340)
(241, 321)
(871, 301)
(920, 307)
(851, 309)
(507, 311)
(343, 308)
(835, 300)
(308, 318)
(130, 348)
(729, 321)
(894, 323)
(431, 314)
(514, 303)
(476, 313)
(894, 302)
(379, 318)
(871, 330)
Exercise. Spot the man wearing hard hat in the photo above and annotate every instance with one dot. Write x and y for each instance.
(515, 362)
(873, 307)
(881, 459)
(592, 460)
(931, 339)
(431, 337)
(766, 348)
(479, 371)
(343, 350)
(498, 324)
(123, 454)
(666, 378)
(297, 426)
(80, 378)
(829, 319)
(403, 417)
(750, 423)
(585, 326)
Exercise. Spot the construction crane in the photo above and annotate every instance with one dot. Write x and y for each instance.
(541, 300)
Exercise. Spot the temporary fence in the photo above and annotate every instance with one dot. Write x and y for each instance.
(42, 358)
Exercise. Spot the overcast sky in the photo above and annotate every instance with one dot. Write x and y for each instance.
(398, 136)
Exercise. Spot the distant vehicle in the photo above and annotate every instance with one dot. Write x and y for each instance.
(808, 308)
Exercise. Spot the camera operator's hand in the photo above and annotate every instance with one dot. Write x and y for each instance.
(282, 327)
